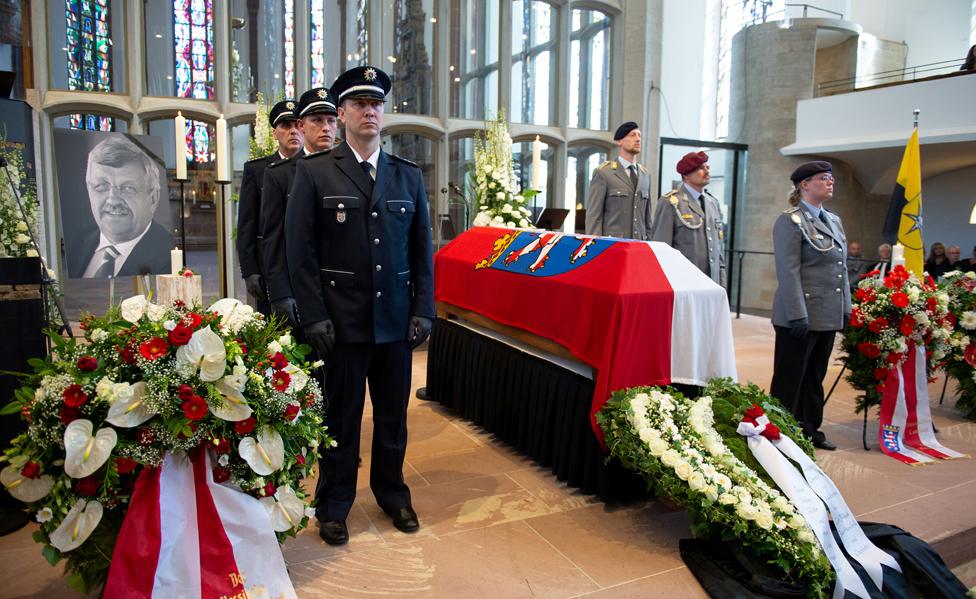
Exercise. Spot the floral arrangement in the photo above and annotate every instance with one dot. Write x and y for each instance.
(263, 143)
(148, 380)
(960, 363)
(15, 226)
(674, 442)
(887, 318)
(500, 202)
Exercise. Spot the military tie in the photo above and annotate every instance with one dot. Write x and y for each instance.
(633, 175)
(701, 202)
(107, 266)
(368, 169)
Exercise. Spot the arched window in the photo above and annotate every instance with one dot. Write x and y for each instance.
(533, 62)
(67, 122)
(262, 49)
(338, 38)
(473, 67)
(407, 34)
(589, 57)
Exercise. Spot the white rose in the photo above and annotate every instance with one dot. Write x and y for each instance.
(806, 536)
(657, 447)
(645, 435)
(500, 195)
(133, 308)
(797, 522)
(274, 347)
(31, 253)
(482, 219)
(765, 521)
(711, 492)
(696, 481)
(21, 239)
(683, 469)
(746, 511)
(727, 499)
(99, 335)
(22, 226)
(498, 220)
(104, 388)
(523, 223)
(670, 458)
(507, 208)
(510, 225)
(783, 504)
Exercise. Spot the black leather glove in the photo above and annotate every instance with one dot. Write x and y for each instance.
(419, 330)
(799, 328)
(255, 286)
(286, 307)
(321, 336)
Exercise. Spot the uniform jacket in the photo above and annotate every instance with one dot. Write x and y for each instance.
(150, 255)
(700, 237)
(614, 208)
(361, 259)
(811, 270)
(248, 215)
(278, 177)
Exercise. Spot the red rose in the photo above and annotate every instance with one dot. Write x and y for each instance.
(87, 363)
(125, 465)
(31, 470)
(220, 474)
(952, 320)
(194, 408)
(69, 414)
(192, 320)
(291, 411)
(880, 374)
(88, 486)
(222, 446)
(74, 396)
(969, 354)
(279, 361)
(145, 436)
(243, 345)
(185, 392)
(180, 335)
(269, 489)
(280, 380)
(187, 273)
(899, 299)
(771, 432)
(128, 356)
(878, 325)
(907, 325)
(300, 459)
(154, 349)
(869, 349)
(754, 412)
(245, 426)
(893, 358)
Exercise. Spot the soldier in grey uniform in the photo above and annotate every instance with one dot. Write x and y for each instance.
(689, 219)
(618, 204)
(813, 299)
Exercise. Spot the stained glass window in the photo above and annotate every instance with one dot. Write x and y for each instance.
(193, 39)
(317, 10)
(89, 55)
(339, 30)
(289, 49)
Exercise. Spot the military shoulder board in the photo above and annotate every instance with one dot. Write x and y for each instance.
(279, 162)
(314, 154)
(404, 160)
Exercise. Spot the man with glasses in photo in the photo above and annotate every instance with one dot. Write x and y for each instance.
(123, 189)
(813, 297)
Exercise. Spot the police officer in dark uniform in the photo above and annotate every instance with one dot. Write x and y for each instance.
(317, 121)
(358, 239)
(813, 298)
(283, 121)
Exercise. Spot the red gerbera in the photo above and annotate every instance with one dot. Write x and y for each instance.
(878, 325)
(194, 408)
(180, 335)
(900, 299)
(245, 426)
(869, 349)
(31, 470)
(87, 363)
(125, 465)
(280, 380)
(866, 295)
(74, 396)
(279, 360)
(907, 325)
(154, 349)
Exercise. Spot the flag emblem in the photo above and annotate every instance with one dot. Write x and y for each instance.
(542, 254)
(889, 437)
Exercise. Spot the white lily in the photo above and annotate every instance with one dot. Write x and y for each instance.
(85, 453)
(233, 314)
(234, 408)
(133, 308)
(22, 488)
(285, 508)
(77, 526)
(128, 407)
(205, 352)
(155, 312)
(264, 453)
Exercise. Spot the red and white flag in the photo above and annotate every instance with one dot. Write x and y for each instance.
(906, 431)
(186, 536)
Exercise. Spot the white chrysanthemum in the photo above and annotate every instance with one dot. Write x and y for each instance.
(968, 320)
(921, 318)
(99, 335)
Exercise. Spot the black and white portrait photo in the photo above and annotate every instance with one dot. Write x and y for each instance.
(110, 188)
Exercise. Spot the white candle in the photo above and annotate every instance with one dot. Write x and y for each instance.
(181, 152)
(897, 255)
(176, 260)
(222, 151)
(537, 164)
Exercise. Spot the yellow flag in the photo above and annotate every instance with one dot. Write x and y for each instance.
(904, 221)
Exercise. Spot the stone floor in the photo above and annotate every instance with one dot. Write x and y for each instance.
(495, 524)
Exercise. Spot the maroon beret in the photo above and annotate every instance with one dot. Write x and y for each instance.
(691, 162)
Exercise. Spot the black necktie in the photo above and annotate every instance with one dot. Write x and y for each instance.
(823, 219)
(701, 200)
(107, 266)
(368, 169)
(633, 175)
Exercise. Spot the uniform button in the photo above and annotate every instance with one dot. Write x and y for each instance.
(403, 210)
(341, 206)
(379, 267)
(838, 290)
(379, 294)
(806, 295)
(376, 241)
(374, 215)
(839, 263)
(840, 276)
(332, 283)
(708, 228)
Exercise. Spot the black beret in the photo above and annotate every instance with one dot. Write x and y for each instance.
(282, 112)
(809, 169)
(316, 100)
(624, 130)
(691, 162)
(362, 82)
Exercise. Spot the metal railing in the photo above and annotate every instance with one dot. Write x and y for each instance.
(738, 256)
(761, 16)
(893, 76)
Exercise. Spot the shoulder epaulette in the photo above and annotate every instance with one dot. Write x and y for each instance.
(791, 210)
(314, 154)
(279, 162)
(259, 158)
(604, 164)
(405, 161)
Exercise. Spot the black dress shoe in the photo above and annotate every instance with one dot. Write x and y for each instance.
(405, 519)
(824, 444)
(334, 532)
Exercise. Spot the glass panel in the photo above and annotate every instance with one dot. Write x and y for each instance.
(473, 68)
(522, 159)
(455, 215)
(582, 161)
(240, 136)
(336, 47)
(16, 56)
(408, 44)
(66, 122)
(180, 48)
(533, 62)
(262, 49)
(589, 70)
(87, 50)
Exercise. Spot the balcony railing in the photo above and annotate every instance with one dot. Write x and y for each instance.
(893, 77)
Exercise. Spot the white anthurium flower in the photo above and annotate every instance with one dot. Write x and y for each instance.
(285, 508)
(155, 312)
(234, 408)
(22, 488)
(78, 525)
(129, 407)
(264, 453)
(84, 452)
(233, 314)
(133, 308)
(298, 379)
(205, 352)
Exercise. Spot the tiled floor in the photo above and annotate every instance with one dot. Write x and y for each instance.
(495, 524)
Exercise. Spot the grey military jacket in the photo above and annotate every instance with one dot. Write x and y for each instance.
(811, 270)
(614, 208)
(680, 223)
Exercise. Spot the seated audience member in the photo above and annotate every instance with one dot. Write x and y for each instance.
(883, 265)
(954, 253)
(856, 264)
(937, 263)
